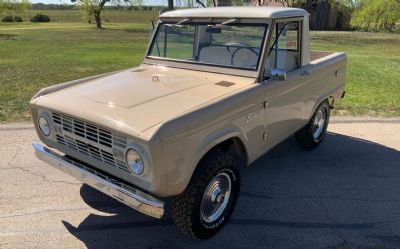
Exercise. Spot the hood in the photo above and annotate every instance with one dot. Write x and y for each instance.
(138, 99)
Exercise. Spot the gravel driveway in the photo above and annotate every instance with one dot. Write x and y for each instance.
(344, 194)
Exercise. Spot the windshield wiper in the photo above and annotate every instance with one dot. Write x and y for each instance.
(234, 20)
(179, 24)
(231, 21)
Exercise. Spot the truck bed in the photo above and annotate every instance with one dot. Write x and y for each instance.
(315, 55)
(327, 72)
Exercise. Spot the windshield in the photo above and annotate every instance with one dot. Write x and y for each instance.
(234, 45)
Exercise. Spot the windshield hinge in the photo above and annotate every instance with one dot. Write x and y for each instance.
(265, 104)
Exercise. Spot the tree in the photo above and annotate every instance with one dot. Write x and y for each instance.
(170, 4)
(93, 8)
(14, 5)
(376, 15)
(187, 3)
(224, 2)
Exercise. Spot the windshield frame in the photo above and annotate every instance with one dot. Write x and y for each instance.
(203, 66)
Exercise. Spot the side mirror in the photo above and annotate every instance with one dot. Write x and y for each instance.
(278, 74)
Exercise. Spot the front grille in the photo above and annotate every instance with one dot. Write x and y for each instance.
(90, 140)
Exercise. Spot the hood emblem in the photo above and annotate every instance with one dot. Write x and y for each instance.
(155, 78)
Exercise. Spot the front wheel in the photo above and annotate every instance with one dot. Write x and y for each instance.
(313, 133)
(208, 202)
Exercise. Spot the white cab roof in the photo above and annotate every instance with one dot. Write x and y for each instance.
(237, 12)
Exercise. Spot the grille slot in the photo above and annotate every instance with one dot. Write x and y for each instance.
(90, 140)
(60, 139)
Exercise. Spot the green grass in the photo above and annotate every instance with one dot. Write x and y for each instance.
(373, 76)
(115, 16)
(34, 56)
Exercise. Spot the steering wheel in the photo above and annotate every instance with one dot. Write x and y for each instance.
(234, 53)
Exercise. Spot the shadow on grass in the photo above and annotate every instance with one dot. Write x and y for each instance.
(290, 198)
(137, 30)
(9, 37)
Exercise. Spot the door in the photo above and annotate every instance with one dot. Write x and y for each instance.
(285, 98)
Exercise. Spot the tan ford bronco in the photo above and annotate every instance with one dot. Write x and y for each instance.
(218, 88)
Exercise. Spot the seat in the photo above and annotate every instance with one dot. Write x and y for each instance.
(244, 57)
(215, 55)
(287, 60)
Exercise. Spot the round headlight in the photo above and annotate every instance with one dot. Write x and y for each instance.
(44, 126)
(135, 162)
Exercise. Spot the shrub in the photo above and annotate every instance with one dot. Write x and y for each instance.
(377, 15)
(40, 18)
(8, 19)
(18, 19)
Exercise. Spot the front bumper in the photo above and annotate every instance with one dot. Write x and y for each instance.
(114, 188)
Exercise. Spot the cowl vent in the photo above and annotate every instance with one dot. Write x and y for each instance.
(225, 83)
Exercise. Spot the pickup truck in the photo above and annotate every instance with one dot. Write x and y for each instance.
(217, 88)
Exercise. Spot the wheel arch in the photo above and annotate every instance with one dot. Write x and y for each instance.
(224, 142)
(328, 98)
(331, 96)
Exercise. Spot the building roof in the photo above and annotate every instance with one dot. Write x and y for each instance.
(237, 12)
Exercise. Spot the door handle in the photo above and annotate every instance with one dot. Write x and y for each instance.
(305, 73)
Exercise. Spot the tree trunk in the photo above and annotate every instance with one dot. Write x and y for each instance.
(97, 18)
(170, 4)
(224, 3)
(97, 13)
(322, 15)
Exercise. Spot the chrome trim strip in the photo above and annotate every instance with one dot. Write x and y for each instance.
(131, 197)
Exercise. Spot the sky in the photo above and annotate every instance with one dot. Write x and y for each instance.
(145, 2)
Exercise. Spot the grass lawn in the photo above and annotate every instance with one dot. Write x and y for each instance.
(114, 16)
(47, 54)
(373, 71)
(33, 56)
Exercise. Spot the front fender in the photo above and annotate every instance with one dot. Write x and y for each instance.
(218, 137)
(183, 157)
(187, 138)
(58, 87)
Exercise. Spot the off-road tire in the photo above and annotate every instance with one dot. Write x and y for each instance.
(186, 206)
(305, 136)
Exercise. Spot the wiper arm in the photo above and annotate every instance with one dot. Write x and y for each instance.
(234, 20)
(183, 21)
(179, 23)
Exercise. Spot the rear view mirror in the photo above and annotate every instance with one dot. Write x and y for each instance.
(213, 30)
(278, 74)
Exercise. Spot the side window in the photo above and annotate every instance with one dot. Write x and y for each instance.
(288, 40)
(284, 51)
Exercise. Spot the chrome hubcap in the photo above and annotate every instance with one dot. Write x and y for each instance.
(215, 197)
(319, 123)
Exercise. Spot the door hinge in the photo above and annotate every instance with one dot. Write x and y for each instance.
(265, 104)
(265, 136)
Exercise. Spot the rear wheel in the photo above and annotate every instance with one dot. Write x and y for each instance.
(208, 201)
(314, 132)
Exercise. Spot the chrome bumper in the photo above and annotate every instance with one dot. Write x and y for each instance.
(134, 198)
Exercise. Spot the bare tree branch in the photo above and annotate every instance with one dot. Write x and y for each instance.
(201, 3)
